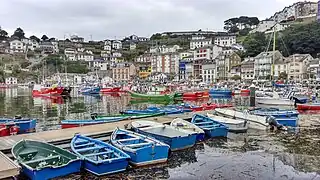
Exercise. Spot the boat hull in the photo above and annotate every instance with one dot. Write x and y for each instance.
(102, 169)
(25, 125)
(306, 107)
(292, 122)
(175, 143)
(49, 173)
(211, 127)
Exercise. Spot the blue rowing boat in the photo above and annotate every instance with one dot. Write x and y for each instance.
(211, 127)
(220, 92)
(100, 158)
(71, 123)
(25, 124)
(143, 150)
(275, 112)
(175, 138)
(292, 121)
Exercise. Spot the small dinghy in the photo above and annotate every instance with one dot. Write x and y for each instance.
(40, 160)
(25, 124)
(254, 121)
(275, 112)
(143, 150)
(211, 127)
(181, 124)
(175, 138)
(100, 158)
(234, 125)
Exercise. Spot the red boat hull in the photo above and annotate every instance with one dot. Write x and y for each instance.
(192, 95)
(208, 106)
(8, 130)
(308, 107)
(111, 90)
(48, 91)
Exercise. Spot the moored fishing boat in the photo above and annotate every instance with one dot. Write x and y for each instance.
(110, 90)
(128, 116)
(220, 92)
(192, 95)
(254, 121)
(234, 125)
(306, 107)
(153, 110)
(143, 150)
(187, 126)
(166, 97)
(100, 158)
(211, 127)
(275, 112)
(90, 90)
(41, 161)
(176, 139)
(39, 90)
(8, 129)
(70, 123)
(25, 124)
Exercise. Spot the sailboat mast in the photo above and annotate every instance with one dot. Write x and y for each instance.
(274, 52)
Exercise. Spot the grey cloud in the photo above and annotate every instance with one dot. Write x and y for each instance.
(109, 18)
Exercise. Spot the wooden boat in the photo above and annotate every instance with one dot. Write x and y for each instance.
(100, 158)
(305, 107)
(181, 124)
(192, 95)
(25, 124)
(143, 150)
(254, 121)
(8, 129)
(111, 90)
(166, 97)
(234, 125)
(176, 139)
(87, 122)
(275, 112)
(38, 90)
(41, 161)
(128, 116)
(211, 127)
(153, 110)
(90, 90)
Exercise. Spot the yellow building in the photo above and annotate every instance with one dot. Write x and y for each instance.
(144, 72)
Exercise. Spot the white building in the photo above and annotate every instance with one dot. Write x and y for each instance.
(186, 54)
(202, 53)
(247, 70)
(277, 27)
(116, 44)
(209, 73)
(263, 64)
(77, 39)
(84, 56)
(30, 44)
(11, 80)
(164, 49)
(17, 46)
(107, 45)
(199, 43)
(215, 51)
(166, 63)
(225, 40)
(71, 54)
(298, 65)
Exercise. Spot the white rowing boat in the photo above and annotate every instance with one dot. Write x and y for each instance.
(235, 125)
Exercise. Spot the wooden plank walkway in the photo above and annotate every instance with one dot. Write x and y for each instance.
(7, 142)
(8, 168)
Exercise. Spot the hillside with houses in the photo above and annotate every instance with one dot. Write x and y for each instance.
(204, 56)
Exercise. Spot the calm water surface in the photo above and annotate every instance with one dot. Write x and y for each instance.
(254, 155)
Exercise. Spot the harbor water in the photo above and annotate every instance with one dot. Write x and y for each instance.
(253, 155)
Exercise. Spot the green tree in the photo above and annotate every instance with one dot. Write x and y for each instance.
(283, 75)
(18, 33)
(33, 37)
(3, 34)
(255, 43)
(156, 36)
(44, 38)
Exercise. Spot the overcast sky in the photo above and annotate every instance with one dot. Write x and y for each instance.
(118, 18)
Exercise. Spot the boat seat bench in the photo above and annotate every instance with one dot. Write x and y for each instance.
(84, 145)
(200, 123)
(210, 126)
(27, 153)
(100, 153)
(43, 159)
(137, 145)
(90, 148)
(129, 139)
